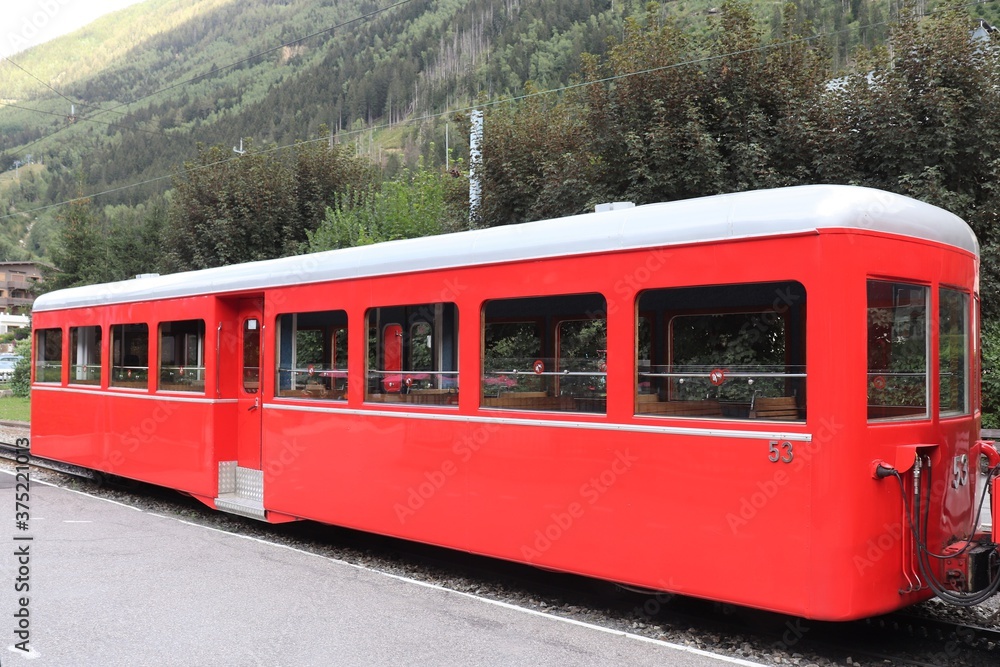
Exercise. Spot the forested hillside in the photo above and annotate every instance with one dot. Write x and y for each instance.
(117, 108)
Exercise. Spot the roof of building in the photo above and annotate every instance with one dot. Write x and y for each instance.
(32, 262)
(743, 215)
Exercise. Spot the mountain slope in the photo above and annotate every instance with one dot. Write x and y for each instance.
(129, 98)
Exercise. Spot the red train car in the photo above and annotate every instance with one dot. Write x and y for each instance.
(767, 398)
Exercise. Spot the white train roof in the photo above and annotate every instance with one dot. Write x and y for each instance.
(743, 215)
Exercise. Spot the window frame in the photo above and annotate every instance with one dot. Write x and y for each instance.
(73, 365)
(967, 351)
(116, 331)
(41, 363)
(876, 380)
(405, 385)
(200, 385)
(662, 307)
(328, 384)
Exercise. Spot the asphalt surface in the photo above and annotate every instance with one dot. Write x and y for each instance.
(111, 585)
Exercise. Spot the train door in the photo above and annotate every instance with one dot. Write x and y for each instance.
(249, 391)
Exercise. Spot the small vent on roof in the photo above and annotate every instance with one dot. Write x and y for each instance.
(140, 276)
(613, 206)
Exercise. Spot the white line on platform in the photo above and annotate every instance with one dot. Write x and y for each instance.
(66, 488)
(30, 654)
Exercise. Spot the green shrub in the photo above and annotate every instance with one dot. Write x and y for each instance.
(20, 384)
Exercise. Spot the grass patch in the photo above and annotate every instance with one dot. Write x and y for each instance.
(14, 408)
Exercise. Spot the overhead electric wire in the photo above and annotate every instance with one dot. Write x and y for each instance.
(84, 120)
(82, 105)
(39, 80)
(149, 180)
(486, 104)
(65, 97)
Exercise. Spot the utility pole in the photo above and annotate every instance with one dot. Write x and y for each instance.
(475, 163)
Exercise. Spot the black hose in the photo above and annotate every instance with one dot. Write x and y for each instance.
(924, 554)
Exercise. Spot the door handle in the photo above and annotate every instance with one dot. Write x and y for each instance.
(256, 404)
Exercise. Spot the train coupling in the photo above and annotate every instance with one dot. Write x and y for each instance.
(970, 566)
(976, 564)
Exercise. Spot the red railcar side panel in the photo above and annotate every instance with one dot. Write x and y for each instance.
(689, 505)
(156, 440)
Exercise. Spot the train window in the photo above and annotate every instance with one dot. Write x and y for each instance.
(976, 355)
(251, 355)
(130, 355)
(722, 352)
(413, 354)
(897, 350)
(953, 352)
(182, 356)
(545, 353)
(312, 355)
(48, 355)
(85, 355)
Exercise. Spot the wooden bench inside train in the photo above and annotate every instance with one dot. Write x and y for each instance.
(314, 390)
(417, 397)
(529, 400)
(650, 404)
(780, 408)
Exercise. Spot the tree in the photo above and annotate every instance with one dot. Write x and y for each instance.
(134, 241)
(765, 106)
(321, 174)
(535, 162)
(662, 122)
(924, 120)
(646, 121)
(419, 203)
(228, 209)
(80, 251)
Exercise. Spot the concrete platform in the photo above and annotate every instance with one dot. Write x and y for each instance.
(112, 585)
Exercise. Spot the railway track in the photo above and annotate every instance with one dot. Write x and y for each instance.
(896, 639)
(939, 630)
(10, 452)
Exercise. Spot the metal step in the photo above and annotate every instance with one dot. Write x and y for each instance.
(232, 503)
(241, 490)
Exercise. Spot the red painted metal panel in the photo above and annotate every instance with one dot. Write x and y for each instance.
(161, 441)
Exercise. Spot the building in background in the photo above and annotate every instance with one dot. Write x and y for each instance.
(17, 282)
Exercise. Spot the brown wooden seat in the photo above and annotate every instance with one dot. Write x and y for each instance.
(781, 408)
(705, 408)
(433, 396)
(530, 400)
